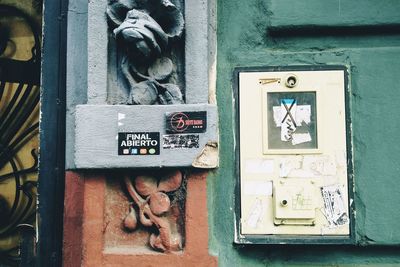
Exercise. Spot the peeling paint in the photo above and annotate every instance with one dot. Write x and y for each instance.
(208, 158)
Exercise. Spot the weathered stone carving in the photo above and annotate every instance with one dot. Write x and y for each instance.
(144, 30)
(146, 34)
(157, 206)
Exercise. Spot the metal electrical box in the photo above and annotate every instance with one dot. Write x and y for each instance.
(293, 155)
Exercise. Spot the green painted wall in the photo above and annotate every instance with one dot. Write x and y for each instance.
(262, 33)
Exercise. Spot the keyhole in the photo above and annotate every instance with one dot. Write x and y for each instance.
(284, 202)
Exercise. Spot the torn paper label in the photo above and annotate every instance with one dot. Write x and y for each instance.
(320, 165)
(121, 116)
(259, 166)
(302, 115)
(277, 116)
(208, 157)
(287, 165)
(308, 166)
(257, 188)
(256, 213)
(289, 116)
(334, 205)
(300, 138)
(288, 120)
(287, 130)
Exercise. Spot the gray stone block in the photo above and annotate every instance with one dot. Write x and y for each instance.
(97, 127)
(97, 52)
(196, 51)
(77, 66)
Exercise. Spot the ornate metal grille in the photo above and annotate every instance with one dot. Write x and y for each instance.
(19, 126)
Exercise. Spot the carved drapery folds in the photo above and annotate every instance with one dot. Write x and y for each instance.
(146, 31)
(158, 202)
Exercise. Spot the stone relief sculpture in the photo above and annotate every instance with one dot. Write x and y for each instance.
(149, 58)
(157, 205)
(145, 31)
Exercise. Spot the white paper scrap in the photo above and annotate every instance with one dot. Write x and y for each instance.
(284, 169)
(303, 114)
(334, 205)
(259, 166)
(288, 114)
(257, 188)
(289, 164)
(299, 138)
(121, 116)
(277, 115)
(320, 165)
(255, 214)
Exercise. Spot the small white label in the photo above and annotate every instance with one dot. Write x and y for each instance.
(259, 166)
(257, 188)
(303, 114)
(121, 116)
(299, 138)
